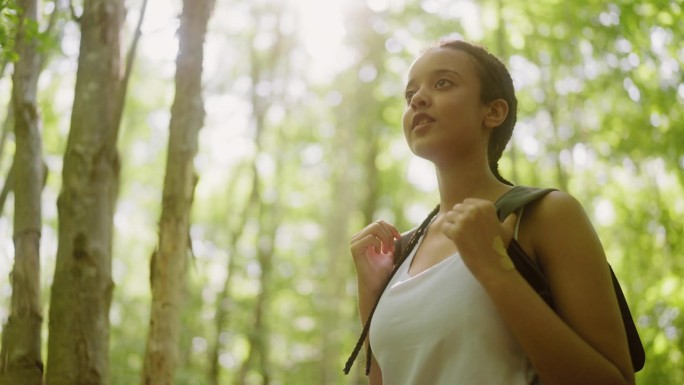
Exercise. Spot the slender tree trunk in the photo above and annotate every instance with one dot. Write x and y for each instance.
(268, 214)
(170, 258)
(338, 271)
(7, 187)
(269, 219)
(8, 123)
(20, 356)
(78, 341)
(259, 334)
(224, 308)
(224, 303)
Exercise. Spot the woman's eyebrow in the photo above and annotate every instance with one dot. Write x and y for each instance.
(448, 71)
(437, 72)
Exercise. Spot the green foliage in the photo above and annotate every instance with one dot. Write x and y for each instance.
(9, 20)
(12, 21)
(600, 116)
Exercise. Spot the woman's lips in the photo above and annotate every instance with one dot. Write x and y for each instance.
(421, 119)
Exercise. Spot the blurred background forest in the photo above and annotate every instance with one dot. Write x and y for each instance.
(301, 146)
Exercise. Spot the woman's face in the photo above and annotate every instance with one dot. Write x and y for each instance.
(444, 116)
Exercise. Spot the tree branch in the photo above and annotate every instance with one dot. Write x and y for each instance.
(7, 188)
(130, 58)
(73, 12)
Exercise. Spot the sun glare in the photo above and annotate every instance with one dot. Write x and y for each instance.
(321, 25)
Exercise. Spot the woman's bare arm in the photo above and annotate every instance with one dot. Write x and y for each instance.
(584, 342)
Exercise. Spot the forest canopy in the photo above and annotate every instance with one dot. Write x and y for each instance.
(218, 157)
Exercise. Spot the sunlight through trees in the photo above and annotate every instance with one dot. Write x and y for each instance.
(300, 146)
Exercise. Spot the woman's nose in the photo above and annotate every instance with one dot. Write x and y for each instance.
(419, 100)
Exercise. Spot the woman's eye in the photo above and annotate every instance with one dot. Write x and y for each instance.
(442, 83)
(408, 95)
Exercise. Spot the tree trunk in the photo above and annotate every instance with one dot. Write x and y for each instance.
(224, 303)
(78, 341)
(20, 356)
(269, 219)
(168, 263)
(336, 229)
(259, 335)
(8, 123)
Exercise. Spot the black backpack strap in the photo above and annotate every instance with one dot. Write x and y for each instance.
(514, 200)
(401, 243)
(636, 348)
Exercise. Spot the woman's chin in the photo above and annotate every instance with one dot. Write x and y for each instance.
(428, 150)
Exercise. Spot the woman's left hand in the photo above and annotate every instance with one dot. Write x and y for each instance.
(481, 239)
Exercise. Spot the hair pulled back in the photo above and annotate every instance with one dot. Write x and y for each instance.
(495, 83)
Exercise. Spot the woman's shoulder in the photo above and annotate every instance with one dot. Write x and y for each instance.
(554, 216)
(558, 221)
(553, 205)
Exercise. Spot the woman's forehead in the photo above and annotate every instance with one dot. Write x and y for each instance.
(441, 59)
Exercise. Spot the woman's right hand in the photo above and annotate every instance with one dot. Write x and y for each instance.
(373, 251)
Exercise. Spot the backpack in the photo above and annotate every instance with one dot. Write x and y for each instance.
(513, 201)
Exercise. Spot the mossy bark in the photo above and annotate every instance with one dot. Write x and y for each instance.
(20, 356)
(78, 342)
(169, 260)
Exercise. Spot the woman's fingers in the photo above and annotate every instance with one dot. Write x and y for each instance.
(363, 245)
(471, 221)
(379, 234)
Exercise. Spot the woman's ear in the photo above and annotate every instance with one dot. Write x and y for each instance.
(496, 113)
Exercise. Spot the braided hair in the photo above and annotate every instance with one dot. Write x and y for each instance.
(495, 83)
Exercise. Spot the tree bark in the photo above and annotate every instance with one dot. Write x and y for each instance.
(8, 123)
(20, 356)
(78, 341)
(169, 260)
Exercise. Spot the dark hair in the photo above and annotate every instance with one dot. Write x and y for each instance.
(495, 83)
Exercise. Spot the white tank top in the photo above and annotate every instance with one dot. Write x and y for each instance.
(440, 327)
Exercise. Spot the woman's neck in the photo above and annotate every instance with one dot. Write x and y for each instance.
(467, 181)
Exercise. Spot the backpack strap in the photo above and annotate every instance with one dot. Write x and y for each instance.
(401, 243)
(514, 200)
(636, 348)
(511, 201)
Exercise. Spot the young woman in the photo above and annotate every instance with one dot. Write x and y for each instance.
(456, 311)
